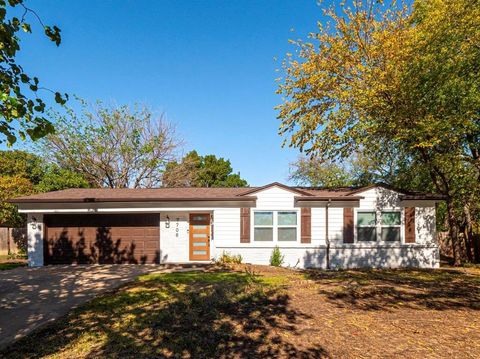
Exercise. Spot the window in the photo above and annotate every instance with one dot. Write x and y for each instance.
(287, 226)
(367, 226)
(379, 226)
(272, 226)
(263, 222)
(390, 222)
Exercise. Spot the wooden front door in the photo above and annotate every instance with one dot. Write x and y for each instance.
(199, 236)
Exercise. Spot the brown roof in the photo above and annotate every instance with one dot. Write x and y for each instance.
(135, 194)
(191, 194)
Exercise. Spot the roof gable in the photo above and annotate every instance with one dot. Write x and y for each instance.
(275, 184)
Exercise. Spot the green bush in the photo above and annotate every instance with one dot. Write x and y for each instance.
(276, 259)
(227, 258)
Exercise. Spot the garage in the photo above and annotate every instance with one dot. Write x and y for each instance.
(102, 238)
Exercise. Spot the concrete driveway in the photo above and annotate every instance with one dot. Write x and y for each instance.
(31, 297)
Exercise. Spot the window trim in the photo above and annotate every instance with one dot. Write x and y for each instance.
(379, 225)
(367, 225)
(275, 226)
(399, 226)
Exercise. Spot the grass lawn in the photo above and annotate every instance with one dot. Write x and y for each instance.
(6, 263)
(256, 311)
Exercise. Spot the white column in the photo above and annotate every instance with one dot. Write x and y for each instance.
(35, 239)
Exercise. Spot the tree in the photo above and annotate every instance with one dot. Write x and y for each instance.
(11, 187)
(22, 108)
(23, 173)
(23, 164)
(388, 73)
(56, 178)
(201, 171)
(312, 172)
(114, 147)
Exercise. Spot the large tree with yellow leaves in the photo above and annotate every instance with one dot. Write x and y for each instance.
(389, 73)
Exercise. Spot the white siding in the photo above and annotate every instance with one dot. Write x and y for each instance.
(425, 226)
(226, 228)
(174, 240)
(275, 198)
(35, 239)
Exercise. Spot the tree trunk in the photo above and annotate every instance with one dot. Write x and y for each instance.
(468, 231)
(453, 232)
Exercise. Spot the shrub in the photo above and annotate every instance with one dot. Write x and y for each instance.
(276, 259)
(227, 258)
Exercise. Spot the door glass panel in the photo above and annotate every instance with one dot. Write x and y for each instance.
(287, 218)
(263, 218)
(200, 218)
(199, 235)
(200, 226)
(199, 244)
(287, 234)
(263, 234)
(200, 252)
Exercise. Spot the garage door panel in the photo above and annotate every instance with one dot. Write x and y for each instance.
(102, 239)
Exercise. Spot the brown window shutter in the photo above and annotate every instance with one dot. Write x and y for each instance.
(244, 225)
(348, 225)
(306, 225)
(410, 225)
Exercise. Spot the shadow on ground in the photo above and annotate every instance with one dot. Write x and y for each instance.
(196, 314)
(387, 289)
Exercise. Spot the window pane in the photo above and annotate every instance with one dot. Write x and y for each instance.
(367, 234)
(366, 218)
(263, 234)
(391, 218)
(287, 234)
(391, 234)
(263, 218)
(287, 218)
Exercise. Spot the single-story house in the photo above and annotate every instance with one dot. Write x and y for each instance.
(374, 226)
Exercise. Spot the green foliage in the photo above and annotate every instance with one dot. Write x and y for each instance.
(276, 259)
(201, 171)
(227, 258)
(385, 75)
(11, 187)
(23, 173)
(115, 147)
(23, 164)
(56, 178)
(22, 108)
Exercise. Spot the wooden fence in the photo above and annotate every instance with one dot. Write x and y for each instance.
(13, 240)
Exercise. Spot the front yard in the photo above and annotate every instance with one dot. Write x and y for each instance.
(256, 311)
(8, 263)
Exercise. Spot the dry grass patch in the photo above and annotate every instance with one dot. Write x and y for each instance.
(259, 311)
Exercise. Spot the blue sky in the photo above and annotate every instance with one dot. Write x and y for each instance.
(209, 65)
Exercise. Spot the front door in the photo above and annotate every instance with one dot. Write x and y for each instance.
(199, 236)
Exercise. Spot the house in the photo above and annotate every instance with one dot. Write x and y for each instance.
(374, 226)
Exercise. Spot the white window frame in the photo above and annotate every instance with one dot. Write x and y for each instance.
(275, 226)
(366, 226)
(379, 225)
(391, 225)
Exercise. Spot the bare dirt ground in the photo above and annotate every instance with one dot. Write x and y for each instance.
(244, 311)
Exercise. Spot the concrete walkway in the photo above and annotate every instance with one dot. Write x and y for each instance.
(31, 297)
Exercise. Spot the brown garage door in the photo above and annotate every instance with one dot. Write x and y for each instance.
(102, 238)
